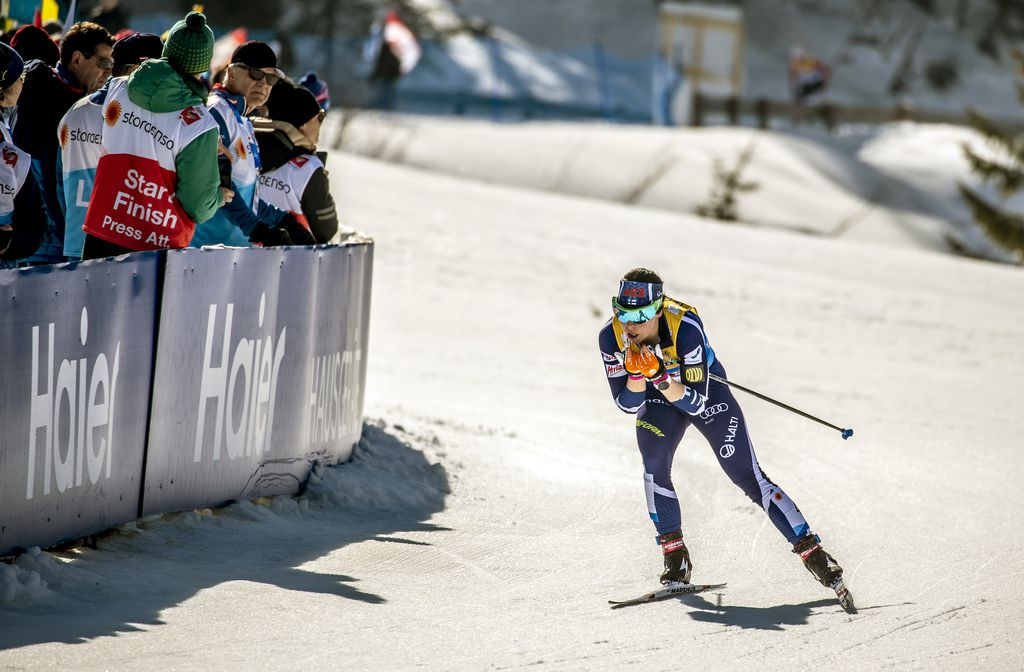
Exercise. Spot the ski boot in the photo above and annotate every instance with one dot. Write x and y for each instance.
(824, 568)
(677, 558)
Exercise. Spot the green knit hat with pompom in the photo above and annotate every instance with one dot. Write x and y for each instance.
(189, 45)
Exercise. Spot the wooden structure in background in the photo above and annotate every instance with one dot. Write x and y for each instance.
(703, 44)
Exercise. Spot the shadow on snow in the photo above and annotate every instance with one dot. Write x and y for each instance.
(138, 572)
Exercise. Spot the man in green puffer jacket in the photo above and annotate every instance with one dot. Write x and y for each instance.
(158, 174)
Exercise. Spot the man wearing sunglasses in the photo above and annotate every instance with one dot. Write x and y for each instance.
(657, 360)
(48, 93)
(246, 219)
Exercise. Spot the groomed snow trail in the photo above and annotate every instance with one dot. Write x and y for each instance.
(485, 381)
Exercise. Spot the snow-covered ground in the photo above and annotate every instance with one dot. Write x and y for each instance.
(497, 501)
(893, 185)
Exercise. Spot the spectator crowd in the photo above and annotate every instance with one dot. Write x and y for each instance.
(116, 143)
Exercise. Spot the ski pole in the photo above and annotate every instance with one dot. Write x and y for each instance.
(847, 433)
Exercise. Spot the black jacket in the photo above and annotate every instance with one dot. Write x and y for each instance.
(48, 94)
(279, 143)
(29, 223)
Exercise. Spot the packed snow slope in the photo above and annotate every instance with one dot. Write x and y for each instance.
(497, 502)
(895, 185)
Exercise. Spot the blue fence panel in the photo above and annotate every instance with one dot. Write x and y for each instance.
(74, 391)
(173, 380)
(250, 374)
(333, 406)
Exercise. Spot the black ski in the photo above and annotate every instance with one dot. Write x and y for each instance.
(670, 590)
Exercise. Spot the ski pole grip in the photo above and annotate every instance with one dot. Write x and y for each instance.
(847, 433)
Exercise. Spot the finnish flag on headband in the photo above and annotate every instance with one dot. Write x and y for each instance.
(633, 293)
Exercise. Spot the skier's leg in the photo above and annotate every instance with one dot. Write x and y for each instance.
(659, 429)
(724, 427)
(722, 424)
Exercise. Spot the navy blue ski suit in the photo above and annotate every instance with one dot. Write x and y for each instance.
(708, 404)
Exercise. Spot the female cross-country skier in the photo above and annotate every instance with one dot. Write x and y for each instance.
(658, 360)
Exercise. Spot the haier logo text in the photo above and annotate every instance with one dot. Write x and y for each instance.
(71, 422)
(241, 385)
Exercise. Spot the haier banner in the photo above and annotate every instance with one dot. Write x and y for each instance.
(332, 375)
(259, 371)
(74, 391)
(164, 381)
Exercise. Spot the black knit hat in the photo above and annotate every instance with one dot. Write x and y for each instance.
(11, 66)
(293, 104)
(257, 55)
(137, 47)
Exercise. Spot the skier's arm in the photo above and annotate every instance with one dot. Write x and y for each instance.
(691, 345)
(628, 400)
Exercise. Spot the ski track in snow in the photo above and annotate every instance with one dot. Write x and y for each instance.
(496, 503)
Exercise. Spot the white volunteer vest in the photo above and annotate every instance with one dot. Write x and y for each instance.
(283, 187)
(245, 157)
(80, 137)
(14, 168)
(133, 203)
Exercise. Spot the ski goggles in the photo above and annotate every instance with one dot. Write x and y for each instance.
(634, 314)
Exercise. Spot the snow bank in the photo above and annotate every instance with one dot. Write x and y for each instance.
(387, 476)
(894, 185)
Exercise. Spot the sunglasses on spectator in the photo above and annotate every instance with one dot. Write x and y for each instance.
(257, 75)
(104, 63)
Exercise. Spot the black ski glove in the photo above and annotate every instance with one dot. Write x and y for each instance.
(299, 234)
(269, 236)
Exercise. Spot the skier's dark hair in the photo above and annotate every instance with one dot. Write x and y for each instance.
(642, 275)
